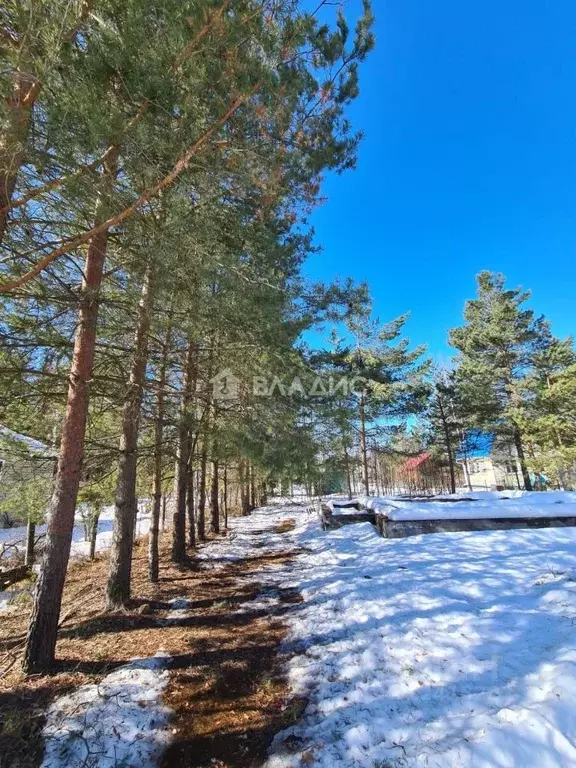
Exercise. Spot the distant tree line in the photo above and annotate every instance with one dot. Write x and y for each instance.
(511, 379)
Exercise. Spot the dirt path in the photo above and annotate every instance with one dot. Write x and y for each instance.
(228, 692)
(221, 621)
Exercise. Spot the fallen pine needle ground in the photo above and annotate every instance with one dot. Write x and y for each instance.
(226, 689)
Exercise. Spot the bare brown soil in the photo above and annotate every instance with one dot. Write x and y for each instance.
(226, 689)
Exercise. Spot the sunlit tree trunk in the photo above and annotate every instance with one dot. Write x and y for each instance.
(30, 536)
(243, 484)
(522, 459)
(153, 553)
(215, 499)
(376, 474)
(182, 459)
(347, 468)
(225, 496)
(42, 632)
(202, 491)
(363, 445)
(447, 443)
(252, 486)
(94, 532)
(190, 504)
(14, 132)
(118, 589)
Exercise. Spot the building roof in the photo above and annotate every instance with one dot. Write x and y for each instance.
(415, 461)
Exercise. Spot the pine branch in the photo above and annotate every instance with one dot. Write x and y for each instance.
(180, 165)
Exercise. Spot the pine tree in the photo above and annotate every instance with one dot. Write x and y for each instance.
(34, 38)
(142, 100)
(497, 347)
(550, 413)
(389, 378)
(443, 419)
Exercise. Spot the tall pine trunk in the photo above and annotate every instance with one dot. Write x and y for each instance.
(522, 459)
(43, 629)
(347, 468)
(13, 139)
(515, 402)
(225, 496)
(182, 459)
(180, 488)
(202, 491)
(376, 474)
(206, 439)
(215, 499)
(447, 443)
(15, 127)
(252, 487)
(190, 503)
(465, 464)
(192, 439)
(364, 445)
(94, 531)
(243, 483)
(118, 589)
(263, 499)
(30, 536)
(153, 554)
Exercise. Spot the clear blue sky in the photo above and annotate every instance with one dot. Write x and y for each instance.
(469, 162)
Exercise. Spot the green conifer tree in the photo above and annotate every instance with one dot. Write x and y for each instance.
(497, 348)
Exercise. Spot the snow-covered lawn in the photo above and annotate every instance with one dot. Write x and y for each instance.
(450, 650)
(80, 545)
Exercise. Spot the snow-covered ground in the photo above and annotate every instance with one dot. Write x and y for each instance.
(452, 650)
(483, 504)
(121, 721)
(80, 545)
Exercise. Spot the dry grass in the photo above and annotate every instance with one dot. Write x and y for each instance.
(226, 687)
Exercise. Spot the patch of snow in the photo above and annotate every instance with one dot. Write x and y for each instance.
(247, 537)
(7, 598)
(30, 444)
(442, 650)
(80, 545)
(117, 722)
(180, 608)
